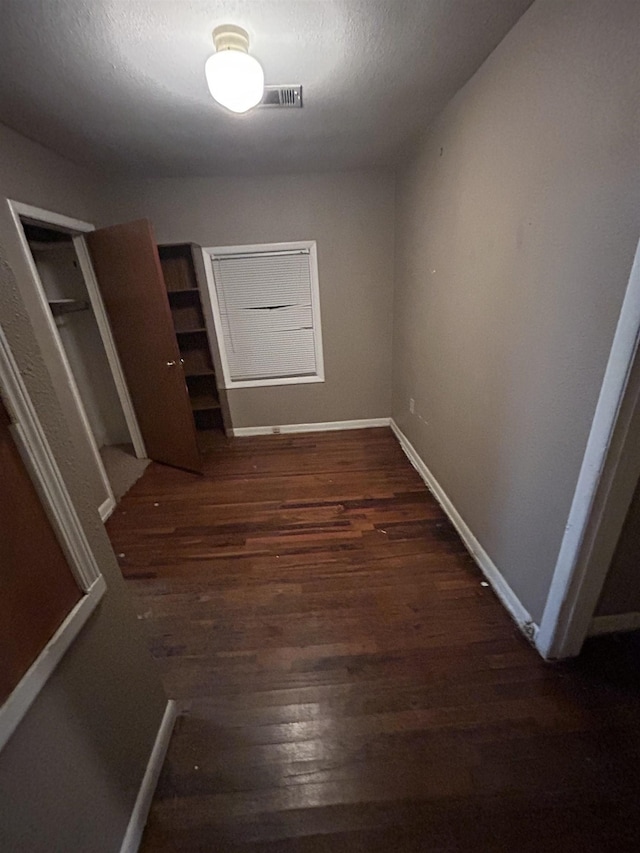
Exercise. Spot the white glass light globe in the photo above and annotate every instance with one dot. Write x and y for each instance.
(235, 79)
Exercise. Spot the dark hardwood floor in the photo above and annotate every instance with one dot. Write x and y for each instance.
(347, 682)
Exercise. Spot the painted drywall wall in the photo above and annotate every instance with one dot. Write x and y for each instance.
(62, 278)
(621, 591)
(350, 215)
(70, 773)
(517, 221)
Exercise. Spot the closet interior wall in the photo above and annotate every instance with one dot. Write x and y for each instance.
(63, 282)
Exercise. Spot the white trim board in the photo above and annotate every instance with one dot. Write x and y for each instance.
(327, 426)
(138, 819)
(488, 568)
(50, 217)
(43, 469)
(18, 210)
(106, 508)
(34, 679)
(613, 624)
(587, 545)
(37, 455)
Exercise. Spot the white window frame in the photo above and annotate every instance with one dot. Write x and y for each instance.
(45, 474)
(211, 253)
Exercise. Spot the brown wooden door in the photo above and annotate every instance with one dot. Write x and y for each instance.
(127, 267)
(37, 587)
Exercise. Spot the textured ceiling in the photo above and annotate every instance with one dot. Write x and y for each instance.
(120, 83)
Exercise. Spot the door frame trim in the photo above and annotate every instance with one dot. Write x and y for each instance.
(610, 469)
(41, 465)
(17, 210)
(76, 229)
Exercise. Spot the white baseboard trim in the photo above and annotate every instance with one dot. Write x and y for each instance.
(488, 568)
(613, 624)
(105, 509)
(328, 426)
(138, 819)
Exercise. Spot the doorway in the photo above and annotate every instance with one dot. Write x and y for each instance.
(608, 477)
(64, 278)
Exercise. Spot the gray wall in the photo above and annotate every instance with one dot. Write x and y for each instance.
(70, 773)
(350, 215)
(517, 222)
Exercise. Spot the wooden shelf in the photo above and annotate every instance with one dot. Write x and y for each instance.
(206, 371)
(208, 419)
(39, 246)
(195, 359)
(68, 306)
(202, 402)
(187, 293)
(177, 267)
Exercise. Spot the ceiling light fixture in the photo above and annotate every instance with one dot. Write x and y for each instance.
(235, 79)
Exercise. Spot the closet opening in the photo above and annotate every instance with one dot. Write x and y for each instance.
(62, 270)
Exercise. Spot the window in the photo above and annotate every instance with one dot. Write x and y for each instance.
(267, 313)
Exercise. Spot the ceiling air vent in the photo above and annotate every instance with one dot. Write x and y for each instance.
(282, 96)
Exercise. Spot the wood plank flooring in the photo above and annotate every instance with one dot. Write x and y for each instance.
(347, 683)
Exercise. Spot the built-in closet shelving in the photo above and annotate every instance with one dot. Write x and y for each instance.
(59, 307)
(180, 268)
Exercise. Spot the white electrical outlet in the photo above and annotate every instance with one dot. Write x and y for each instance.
(412, 405)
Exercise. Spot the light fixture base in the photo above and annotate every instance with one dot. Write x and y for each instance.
(230, 37)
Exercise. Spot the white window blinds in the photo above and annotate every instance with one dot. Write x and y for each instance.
(266, 309)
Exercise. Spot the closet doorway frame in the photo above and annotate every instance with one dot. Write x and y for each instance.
(608, 476)
(77, 228)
